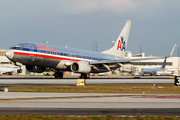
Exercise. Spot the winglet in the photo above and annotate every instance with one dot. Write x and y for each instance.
(170, 54)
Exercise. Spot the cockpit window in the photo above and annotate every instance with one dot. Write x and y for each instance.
(16, 47)
(24, 46)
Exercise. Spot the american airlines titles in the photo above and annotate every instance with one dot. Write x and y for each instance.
(46, 48)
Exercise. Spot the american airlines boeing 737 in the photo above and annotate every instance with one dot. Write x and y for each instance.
(38, 57)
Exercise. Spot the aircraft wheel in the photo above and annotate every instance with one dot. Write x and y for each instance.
(19, 71)
(84, 76)
(9, 73)
(56, 75)
(81, 77)
(60, 75)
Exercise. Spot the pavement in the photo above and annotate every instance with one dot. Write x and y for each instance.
(87, 103)
(35, 81)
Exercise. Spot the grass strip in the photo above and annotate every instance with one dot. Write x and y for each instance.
(148, 89)
(76, 117)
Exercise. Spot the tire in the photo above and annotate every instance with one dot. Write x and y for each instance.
(56, 75)
(60, 75)
(19, 71)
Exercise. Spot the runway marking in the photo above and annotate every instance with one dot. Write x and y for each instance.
(104, 96)
(162, 97)
(69, 97)
(38, 99)
(20, 101)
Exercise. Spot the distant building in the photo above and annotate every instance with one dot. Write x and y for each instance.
(172, 63)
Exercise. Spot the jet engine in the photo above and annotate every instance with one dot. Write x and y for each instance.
(36, 69)
(80, 67)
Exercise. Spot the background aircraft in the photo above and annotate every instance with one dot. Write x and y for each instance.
(9, 70)
(38, 57)
(153, 71)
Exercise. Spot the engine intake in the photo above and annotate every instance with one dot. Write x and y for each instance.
(80, 67)
(36, 69)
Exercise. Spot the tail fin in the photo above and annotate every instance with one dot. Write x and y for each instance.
(170, 54)
(120, 45)
(164, 64)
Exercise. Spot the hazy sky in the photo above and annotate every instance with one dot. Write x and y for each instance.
(79, 23)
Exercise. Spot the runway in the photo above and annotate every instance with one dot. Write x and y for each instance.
(87, 103)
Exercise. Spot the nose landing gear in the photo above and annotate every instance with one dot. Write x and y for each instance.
(19, 71)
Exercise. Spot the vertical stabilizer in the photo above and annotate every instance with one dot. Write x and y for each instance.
(120, 45)
(164, 64)
(170, 54)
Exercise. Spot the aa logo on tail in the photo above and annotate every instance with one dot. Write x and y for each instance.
(121, 44)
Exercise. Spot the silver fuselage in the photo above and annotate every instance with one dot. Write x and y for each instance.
(45, 55)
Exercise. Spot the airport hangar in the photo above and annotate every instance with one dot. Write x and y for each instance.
(172, 63)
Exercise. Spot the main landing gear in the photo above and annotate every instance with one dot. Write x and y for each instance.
(58, 74)
(84, 76)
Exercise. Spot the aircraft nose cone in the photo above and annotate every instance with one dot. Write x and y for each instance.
(9, 54)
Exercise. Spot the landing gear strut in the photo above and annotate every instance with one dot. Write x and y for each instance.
(58, 74)
(84, 76)
(19, 65)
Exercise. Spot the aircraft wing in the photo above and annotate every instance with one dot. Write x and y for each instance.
(121, 61)
(125, 60)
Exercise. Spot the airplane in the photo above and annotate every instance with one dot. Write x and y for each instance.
(10, 70)
(153, 71)
(37, 57)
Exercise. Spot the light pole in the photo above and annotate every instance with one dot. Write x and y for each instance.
(178, 58)
(140, 47)
(92, 47)
(112, 43)
(95, 43)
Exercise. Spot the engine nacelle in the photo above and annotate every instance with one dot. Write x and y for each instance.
(81, 67)
(36, 69)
